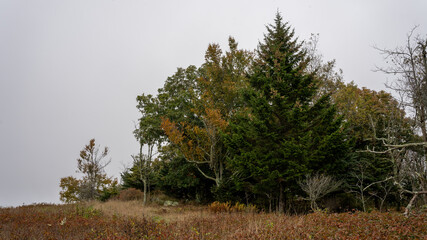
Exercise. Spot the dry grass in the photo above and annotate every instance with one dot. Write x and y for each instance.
(151, 211)
(125, 220)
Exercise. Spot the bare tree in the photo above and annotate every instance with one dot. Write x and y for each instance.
(412, 178)
(408, 159)
(409, 65)
(386, 187)
(143, 168)
(362, 187)
(317, 186)
(330, 79)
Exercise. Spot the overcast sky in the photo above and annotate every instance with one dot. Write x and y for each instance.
(70, 70)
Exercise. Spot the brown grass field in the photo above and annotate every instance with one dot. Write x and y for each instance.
(130, 220)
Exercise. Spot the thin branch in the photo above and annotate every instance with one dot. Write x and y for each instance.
(205, 175)
(385, 180)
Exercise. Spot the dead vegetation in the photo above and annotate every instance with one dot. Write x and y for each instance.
(131, 220)
(150, 211)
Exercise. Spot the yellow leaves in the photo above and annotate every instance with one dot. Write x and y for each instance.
(191, 140)
(214, 117)
(361, 105)
(70, 188)
(213, 102)
(194, 141)
(172, 131)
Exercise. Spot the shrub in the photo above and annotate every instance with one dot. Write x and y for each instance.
(110, 191)
(87, 211)
(70, 189)
(130, 194)
(218, 207)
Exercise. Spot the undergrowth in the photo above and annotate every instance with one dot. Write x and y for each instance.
(86, 222)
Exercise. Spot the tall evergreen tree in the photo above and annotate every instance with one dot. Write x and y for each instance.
(284, 134)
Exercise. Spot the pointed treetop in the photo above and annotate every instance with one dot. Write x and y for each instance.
(280, 43)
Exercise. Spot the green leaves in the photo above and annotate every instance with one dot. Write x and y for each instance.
(256, 122)
(285, 132)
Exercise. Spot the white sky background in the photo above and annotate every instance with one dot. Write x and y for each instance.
(70, 70)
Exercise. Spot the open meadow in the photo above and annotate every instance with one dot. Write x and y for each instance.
(130, 220)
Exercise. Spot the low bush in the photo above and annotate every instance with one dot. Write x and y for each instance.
(131, 194)
(218, 207)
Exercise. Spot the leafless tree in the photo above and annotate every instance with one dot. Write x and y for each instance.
(330, 79)
(317, 186)
(362, 187)
(409, 65)
(386, 188)
(412, 178)
(408, 159)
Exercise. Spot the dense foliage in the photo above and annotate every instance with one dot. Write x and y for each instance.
(285, 133)
(258, 126)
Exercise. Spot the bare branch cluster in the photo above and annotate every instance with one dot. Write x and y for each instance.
(409, 65)
(317, 186)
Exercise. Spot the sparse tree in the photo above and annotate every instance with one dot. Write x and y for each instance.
(142, 164)
(409, 64)
(330, 79)
(91, 163)
(95, 184)
(363, 185)
(407, 156)
(317, 186)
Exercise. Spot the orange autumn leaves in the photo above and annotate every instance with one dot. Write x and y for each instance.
(195, 141)
(215, 99)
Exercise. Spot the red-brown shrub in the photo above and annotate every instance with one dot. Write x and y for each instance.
(218, 207)
(130, 194)
(83, 222)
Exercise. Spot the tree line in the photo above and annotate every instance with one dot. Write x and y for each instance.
(278, 127)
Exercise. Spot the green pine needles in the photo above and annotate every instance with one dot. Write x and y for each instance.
(284, 134)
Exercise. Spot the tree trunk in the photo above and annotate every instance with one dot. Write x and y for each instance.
(422, 120)
(409, 206)
(281, 207)
(362, 197)
(145, 192)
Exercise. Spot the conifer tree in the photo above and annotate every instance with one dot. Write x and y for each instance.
(284, 133)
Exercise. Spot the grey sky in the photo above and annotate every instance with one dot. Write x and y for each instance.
(70, 70)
